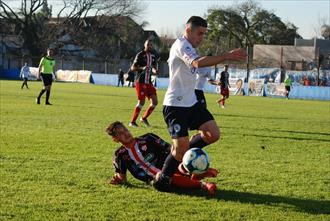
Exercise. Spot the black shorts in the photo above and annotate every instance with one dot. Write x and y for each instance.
(200, 97)
(287, 88)
(47, 79)
(181, 119)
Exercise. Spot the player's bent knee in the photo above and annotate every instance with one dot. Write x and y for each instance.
(215, 135)
(140, 104)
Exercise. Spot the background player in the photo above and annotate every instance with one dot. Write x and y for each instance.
(181, 110)
(224, 86)
(287, 84)
(46, 70)
(25, 72)
(145, 63)
(203, 75)
(143, 157)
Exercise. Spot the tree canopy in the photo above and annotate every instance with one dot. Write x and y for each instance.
(243, 25)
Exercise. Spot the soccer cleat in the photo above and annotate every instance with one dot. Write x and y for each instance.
(211, 172)
(145, 122)
(211, 188)
(38, 100)
(133, 124)
(47, 103)
(223, 106)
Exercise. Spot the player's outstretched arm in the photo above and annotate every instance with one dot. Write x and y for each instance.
(214, 82)
(234, 55)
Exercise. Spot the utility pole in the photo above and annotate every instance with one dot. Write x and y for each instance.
(247, 64)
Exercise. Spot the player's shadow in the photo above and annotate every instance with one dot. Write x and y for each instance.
(280, 130)
(249, 116)
(286, 137)
(300, 205)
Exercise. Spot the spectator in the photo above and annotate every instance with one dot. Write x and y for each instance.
(130, 77)
(120, 78)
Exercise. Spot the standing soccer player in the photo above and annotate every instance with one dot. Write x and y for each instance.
(181, 110)
(46, 69)
(25, 72)
(224, 86)
(287, 84)
(145, 63)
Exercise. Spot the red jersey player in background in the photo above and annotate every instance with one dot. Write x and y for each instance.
(144, 157)
(145, 64)
(224, 85)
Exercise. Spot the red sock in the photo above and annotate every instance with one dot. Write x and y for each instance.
(185, 182)
(148, 112)
(136, 113)
(222, 101)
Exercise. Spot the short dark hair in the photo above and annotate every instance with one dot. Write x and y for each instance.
(197, 21)
(111, 129)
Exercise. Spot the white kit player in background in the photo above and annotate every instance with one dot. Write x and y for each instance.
(25, 72)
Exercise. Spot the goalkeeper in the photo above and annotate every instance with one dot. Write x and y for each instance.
(144, 157)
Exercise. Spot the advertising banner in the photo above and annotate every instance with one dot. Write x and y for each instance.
(236, 86)
(73, 76)
(33, 73)
(275, 90)
(256, 87)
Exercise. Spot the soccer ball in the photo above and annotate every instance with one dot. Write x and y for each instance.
(196, 161)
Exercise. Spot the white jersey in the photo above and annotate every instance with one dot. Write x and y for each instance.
(203, 74)
(25, 71)
(181, 89)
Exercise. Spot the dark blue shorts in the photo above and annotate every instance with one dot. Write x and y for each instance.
(200, 97)
(181, 119)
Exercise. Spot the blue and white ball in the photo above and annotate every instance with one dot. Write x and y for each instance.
(196, 161)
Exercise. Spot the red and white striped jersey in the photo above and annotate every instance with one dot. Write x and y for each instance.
(145, 59)
(144, 159)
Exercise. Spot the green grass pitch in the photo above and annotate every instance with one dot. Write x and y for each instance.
(273, 158)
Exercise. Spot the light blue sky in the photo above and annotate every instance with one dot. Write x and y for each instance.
(169, 16)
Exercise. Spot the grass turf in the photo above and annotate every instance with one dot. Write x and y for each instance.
(273, 157)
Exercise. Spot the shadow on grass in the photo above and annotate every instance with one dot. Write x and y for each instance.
(250, 116)
(290, 138)
(279, 130)
(300, 205)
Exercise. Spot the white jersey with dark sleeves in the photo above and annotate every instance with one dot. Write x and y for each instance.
(203, 74)
(180, 92)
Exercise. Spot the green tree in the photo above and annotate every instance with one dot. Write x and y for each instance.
(244, 25)
(27, 22)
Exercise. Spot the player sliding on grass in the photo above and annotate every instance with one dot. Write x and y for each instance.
(145, 63)
(181, 110)
(144, 156)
